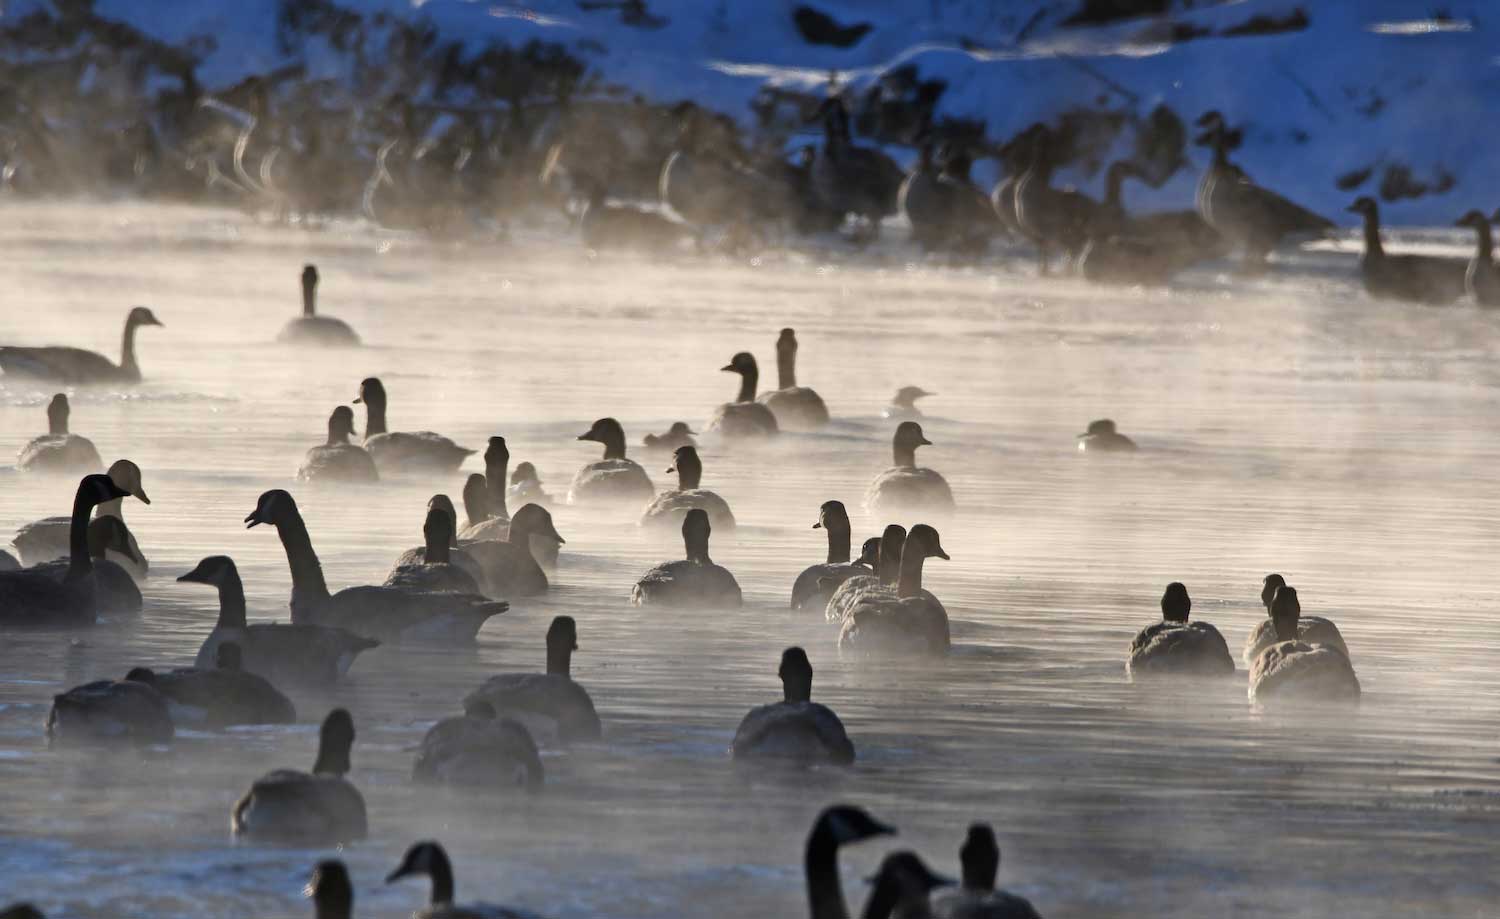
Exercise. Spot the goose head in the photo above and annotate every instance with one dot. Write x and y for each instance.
(562, 641)
(427, 858)
(96, 489)
(274, 507)
(832, 515)
(437, 528)
(687, 466)
(907, 881)
(1473, 220)
(846, 824)
(796, 675)
(57, 414)
(127, 476)
(330, 890)
(695, 532)
(215, 571)
(341, 425)
(1269, 585)
(1285, 612)
(1365, 206)
(335, 740)
(1103, 427)
(742, 363)
(371, 392)
(927, 539)
(681, 429)
(140, 316)
(107, 533)
(869, 553)
(497, 454)
(525, 472)
(980, 857)
(786, 342)
(534, 520)
(909, 434)
(607, 431)
(476, 498)
(1175, 603)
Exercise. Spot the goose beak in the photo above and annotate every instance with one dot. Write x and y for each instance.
(818, 525)
(398, 874)
(939, 553)
(253, 520)
(358, 400)
(586, 436)
(727, 368)
(924, 442)
(140, 493)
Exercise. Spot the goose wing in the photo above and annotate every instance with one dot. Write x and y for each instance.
(32, 599)
(223, 697)
(292, 805)
(550, 695)
(397, 614)
(68, 365)
(793, 730)
(288, 654)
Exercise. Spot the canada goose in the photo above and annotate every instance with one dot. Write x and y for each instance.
(706, 183)
(526, 486)
(1419, 278)
(614, 478)
(603, 225)
(34, 599)
(1146, 250)
(115, 593)
(312, 329)
(1314, 630)
(75, 365)
(1052, 218)
(886, 571)
(496, 515)
(57, 450)
(1101, 437)
(678, 435)
(850, 179)
(945, 208)
(903, 405)
(1482, 280)
(310, 808)
(284, 654)
(668, 508)
(438, 568)
(1175, 647)
(109, 712)
(911, 622)
(551, 704)
(1296, 671)
(907, 487)
(402, 451)
(796, 728)
(221, 696)
(429, 858)
(817, 583)
(479, 749)
(330, 891)
(902, 887)
(510, 568)
(338, 460)
(796, 408)
(744, 417)
(389, 614)
(839, 825)
(50, 537)
(8, 562)
(691, 582)
(978, 898)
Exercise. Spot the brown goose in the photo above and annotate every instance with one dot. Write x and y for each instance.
(668, 508)
(978, 897)
(693, 582)
(612, 479)
(551, 704)
(310, 808)
(796, 729)
(220, 696)
(1176, 647)
(907, 487)
(850, 179)
(1050, 217)
(403, 451)
(75, 365)
(1297, 672)
(744, 417)
(1315, 630)
(797, 408)
(479, 749)
(1417, 278)
(817, 583)
(338, 460)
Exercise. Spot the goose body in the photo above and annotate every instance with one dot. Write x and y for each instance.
(1417, 278)
(220, 696)
(550, 704)
(946, 210)
(1297, 673)
(603, 225)
(48, 538)
(510, 568)
(678, 435)
(312, 329)
(1176, 647)
(115, 592)
(338, 460)
(744, 418)
(978, 898)
(850, 179)
(487, 537)
(1482, 278)
(58, 451)
(436, 566)
(1314, 630)
(668, 509)
(1051, 218)
(816, 584)
(397, 452)
(429, 858)
(908, 623)
(695, 581)
(76, 365)
(613, 479)
(109, 712)
(907, 487)
(478, 749)
(1101, 437)
(1145, 250)
(796, 408)
(309, 808)
(880, 581)
(795, 729)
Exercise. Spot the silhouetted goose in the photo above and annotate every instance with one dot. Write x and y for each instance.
(796, 728)
(312, 329)
(218, 697)
(1176, 647)
(1482, 280)
(402, 451)
(817, 583)
(50, 537)
(669, 507)
(510, 568)
(614, 478)
(57, 450)
(8, 562)
(1417, 278)
(1148, 249)
(886, 572)
(903, 405)
(902, 887)
(691, 582)
(678, 435)
(479, 749)
(109, 712)
(21, 911)
(285, 654)
(706, 183)
(1052, 218)
(429, 858)
(490, 504)
(330, 891)
(75, 365)
(907, 487)
(438, 568)
(526, 486)
(978, 898)
(836, 826)
(338, 460)
(35, 599)
(115, 593)
(796, 408)
(945, 208)
(550, 704)
(1298, 672)
(850, 179)
(389, 614)
(1315, 630)
(1101, 437)
(912, 622)
(603, 225)
(309, 808)
(744, 417)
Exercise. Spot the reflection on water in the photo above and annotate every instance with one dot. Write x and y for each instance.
(1287, 424)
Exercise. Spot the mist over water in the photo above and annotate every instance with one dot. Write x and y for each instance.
(1287, 423)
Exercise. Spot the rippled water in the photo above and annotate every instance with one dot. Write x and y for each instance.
(1287, 423)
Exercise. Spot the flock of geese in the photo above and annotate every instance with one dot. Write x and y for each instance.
(75, 568)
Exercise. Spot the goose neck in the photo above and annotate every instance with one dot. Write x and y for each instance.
(883, 899)
(904, 454)
(559, 659)
(307, 571)
(689, 475)
(909, 583)
(232, 602)
(1485, 254)
(496, 474)
(749, 379)
(697, 549)
(838, 542)
(79, 564)
(1372, 234)
(57, 423)
(825, 894)
(127, 348)
(614, 444)
(786, 366)
(309, 300)
(374, 416)
(437, 551)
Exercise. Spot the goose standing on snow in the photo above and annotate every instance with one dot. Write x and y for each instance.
(978, 898)
(115, 592)
(903, 405)
(669, 507)
(1296, 671)
(388, 614)
(75, 365)
(1482, 280)
(402, 451)
(1052, 218)
(850, 179)
(1101, 437)
(1416, 278)
(614, 478)
(945, 208)
(338, 460)
(220, 696)
(796, 408)
(481, 750)
(550, 704)
(283, 653)
(438, 568)
(109, 712)
(836, 826)
(1315, 630)
(744, 417)
(310, 808)
(886, 570)
(817, 583)
(691, 582)
(1176, 647)
(429, 858)
(907, 487)
(312, 329)
(57, 450)
(796, 728)
(912, 622)
(50, 537)
(678, 435)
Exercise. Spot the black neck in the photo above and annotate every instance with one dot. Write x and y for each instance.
(307, 571)
(309, 299)
(904, 454)
(786, 366)
(614, 444)
(910, 583)
(79, 564)
(825, 895)
(1372, 234)
(689, 474)
(838, 542)
(232, 602)
(374, 416)
(442, 881)
(496, 475)
(337, 436)
(559, 658)
(796, 688)
(57, 423)
(888, 566)
(437, 552)
(127, 347)
(884, 897)
(749, 379)
(1485, 254)
(697, 549)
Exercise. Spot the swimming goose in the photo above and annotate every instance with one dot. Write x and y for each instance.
(910, 622)
(312, 329)
(34, 599)
(796, 408)
(678, 435)
(850, 179)
(1418, 278)
(330, 891)
(1101, 437)
(550, 704)
(1315, 630)
(490, 503)
(115, 593)
(310, 808)
(526, 486)
(907, 487)
(429, 858)
(338, 460)
(389, 614)
(978, 898)
(886, 571)
(50, 537)
(1297, 671)
(479, 749)
(57, 450)
(109, 712)
(284, 654)
(817, 583)
(219, 696)
(1175, 647)
(902, 887)
(668, 508)
(796, 728)
(839, 825)
(613, 478)
(903, 405)
(438, 568)
(1050, 217)
(403, 451)
(510, 568)
(744, 417)
(75, 365)
(1482, 280)
(691, 582)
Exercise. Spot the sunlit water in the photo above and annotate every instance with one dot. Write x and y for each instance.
(1287, 424)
